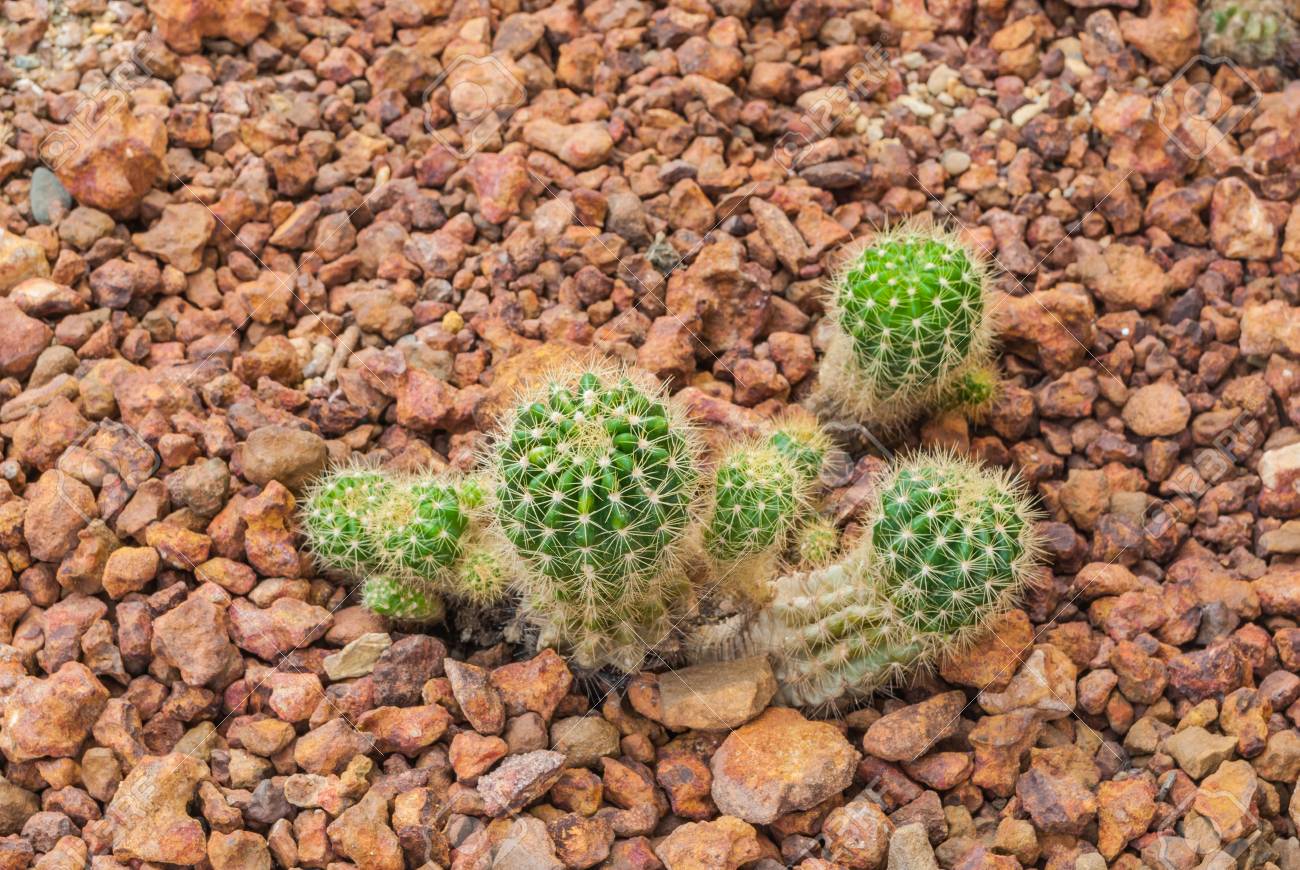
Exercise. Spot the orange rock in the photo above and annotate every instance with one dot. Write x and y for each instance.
(185, 23)
(110, 161)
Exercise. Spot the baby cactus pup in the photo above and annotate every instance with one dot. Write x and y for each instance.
(818, 542)
(951, 545)
(334, 516)
(973, 392)
(481, 576)
(418, 528)
(909, 317)
(1252, 32)
(803, 444)
(597, 476)
(759, 495)
(401, 601)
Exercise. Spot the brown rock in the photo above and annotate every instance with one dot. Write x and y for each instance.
(238, 850)
(362, 834)
(476, 697)
(192, 638)
(908, 733)
(1169, 35)
(405, 730)
(1125, 810)
(857, 835)
(723, 844)
(185, 23)
(718, 696)
(780, 763)
(20, 259)
(50, 718)
(1239, 223)
(519, 780)
(179, 236)
(58, 507)
(148, 814)
(1126, 277)
(581, 842)
(114, 169)
(129, 569)
(1159, 409)
(537, 685)
(288, 455)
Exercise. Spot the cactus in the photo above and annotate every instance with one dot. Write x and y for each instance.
(596, 482)
(1252, 32)
(481, 577)
(335, 512)
(950, 546)
(909, 318)
(401, 601)
(818, 542)
(416, 530)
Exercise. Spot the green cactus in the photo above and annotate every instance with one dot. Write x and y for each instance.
(1252, 32)
(596, 481)
(400, 600)
(909, 317)
(818, 542)
(481, 577)
(759, 495)
(335, 512)
(416, 531)
(951, 545)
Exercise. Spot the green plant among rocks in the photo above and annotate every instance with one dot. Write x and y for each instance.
(818, 543)
(335, 512)
(762, 494)
(910, 328)
(417, 528)
(1252, 32)
(950, 545)
(401, 600)
(596, 478)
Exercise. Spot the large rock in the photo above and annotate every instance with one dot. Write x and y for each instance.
(20, 259)
(115, 168)
(291, 456)
(148, 814)
(363, 835)
(716, 697)
(193, 638)
(780, 763)
(1157, 410)
(179, 236)
(1240, 226)
(50, 718)
(184, 24)
(723, 844)
(908, 733)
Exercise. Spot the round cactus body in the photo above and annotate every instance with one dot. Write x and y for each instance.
(950, 546)
(759, 496)
(401, 601)
(597, 479)
(481, 577)
(909, 315)
(418, 528)
(818, 543)
(335, 514)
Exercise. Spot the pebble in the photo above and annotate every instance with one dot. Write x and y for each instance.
(49, 199)
(718, 697)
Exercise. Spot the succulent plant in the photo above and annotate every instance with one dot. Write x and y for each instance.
(481, 576)
(909, 318)
(416, 530)
(1252, 32)
(401, 600)
(818, 542)
(761, 498)
(951, 545)
(334, 516)
(596, 479)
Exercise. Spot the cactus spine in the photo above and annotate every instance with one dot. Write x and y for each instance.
(909, 318)
(596, 479)
(950, 545)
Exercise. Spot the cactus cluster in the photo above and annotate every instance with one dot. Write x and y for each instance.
(910, 329)
(404, 536)
(1252, 32)
(950, 545)
(596, 508)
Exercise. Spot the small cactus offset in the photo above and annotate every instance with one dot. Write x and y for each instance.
(818, 543)
(481, 576)
(761, 496)
(909, 319)
(335, 513)
(416, 531)
(951, 545)
(1252, 32)
(401, 601)
(596, 480)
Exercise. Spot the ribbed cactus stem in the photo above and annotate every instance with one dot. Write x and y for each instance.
(417, 529)
(908, 316)
(596, 480)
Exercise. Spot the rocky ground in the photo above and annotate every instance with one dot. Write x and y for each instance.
(342, 226)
